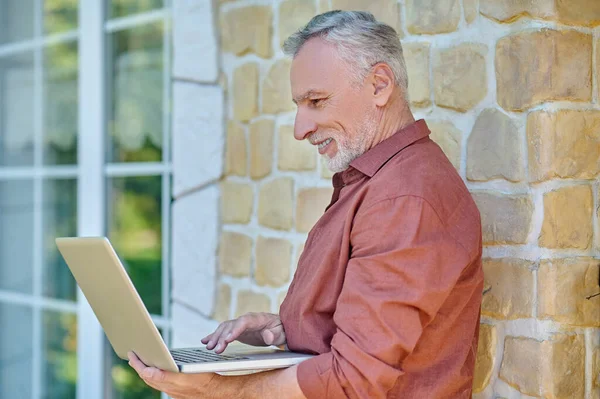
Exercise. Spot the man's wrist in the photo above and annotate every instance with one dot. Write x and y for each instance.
(281, 383)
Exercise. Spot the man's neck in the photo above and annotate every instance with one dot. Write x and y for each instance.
(395, 118)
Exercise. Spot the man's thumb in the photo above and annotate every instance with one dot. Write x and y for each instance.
(268, 337)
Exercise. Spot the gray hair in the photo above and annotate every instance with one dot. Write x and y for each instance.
(361, 40)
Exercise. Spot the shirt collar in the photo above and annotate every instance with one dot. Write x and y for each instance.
(372, 160)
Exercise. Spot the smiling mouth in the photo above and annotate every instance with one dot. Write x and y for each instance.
(324, 143)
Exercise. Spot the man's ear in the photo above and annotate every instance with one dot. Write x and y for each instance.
(383, 82)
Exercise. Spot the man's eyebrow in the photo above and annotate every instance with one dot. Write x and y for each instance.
(308, 94)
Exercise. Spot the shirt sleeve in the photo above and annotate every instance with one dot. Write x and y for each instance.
(402, 268)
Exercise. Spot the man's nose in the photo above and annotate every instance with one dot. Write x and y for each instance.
(304, 125)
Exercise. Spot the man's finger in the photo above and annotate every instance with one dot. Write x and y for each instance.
(238, 328)
(135, 362)
(268, 337)
(215, 336)
(207, 338)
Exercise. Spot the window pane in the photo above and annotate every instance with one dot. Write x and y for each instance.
(136, 108)
(59, 355)
(122, 8)
(60, 220)
(135, 230)
(16, 232)
(16, 20)
(16, 328)
(16, 110)
(60, 104)
(60, 16)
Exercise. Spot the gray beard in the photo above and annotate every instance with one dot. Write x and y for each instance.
(350, 150)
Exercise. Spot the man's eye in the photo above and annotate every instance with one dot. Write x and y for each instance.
(315, 101)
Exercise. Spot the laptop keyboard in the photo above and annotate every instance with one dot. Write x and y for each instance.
(187, 356)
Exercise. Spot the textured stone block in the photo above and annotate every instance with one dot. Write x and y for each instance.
(505, 219)
(570, 12)
(293, 154)
(460, 76)
(310, 206)
(597, 69)
(541, 65)
(275, 207)
(508, 292)
(235, 254)
(237, 201)
(494, 149)
(564, 285)
(432, 16)
(510, 10)
(247, 30)
(195, 59)
(563, 144)
(554, 369)
(578, 12)
(236, 150)
(572, 229)
(223, 303)
(293, 15)
(261, 148)
(245, 92)
(386, 11)
(249, 301)
(197, 156)
(486, 355)
(449, 138)
(471, 10)
(417, 57)
(273, 257)
(276, 89)
(194, 246)
(596, 370)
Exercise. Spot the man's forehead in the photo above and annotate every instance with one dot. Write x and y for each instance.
(315, 69)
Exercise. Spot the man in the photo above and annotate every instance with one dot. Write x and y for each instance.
(388, 289)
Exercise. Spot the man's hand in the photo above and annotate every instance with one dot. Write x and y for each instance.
(176, 385)
(257, 329)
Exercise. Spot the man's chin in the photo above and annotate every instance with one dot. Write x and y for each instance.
(333, 164)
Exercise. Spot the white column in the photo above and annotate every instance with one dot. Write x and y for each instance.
(91, 186)
(198, 147)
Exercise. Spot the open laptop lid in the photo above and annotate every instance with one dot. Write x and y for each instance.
(115, 301)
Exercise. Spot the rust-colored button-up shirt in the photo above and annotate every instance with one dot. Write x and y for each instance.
(388, 288)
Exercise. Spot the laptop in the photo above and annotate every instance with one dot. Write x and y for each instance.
(129, 327)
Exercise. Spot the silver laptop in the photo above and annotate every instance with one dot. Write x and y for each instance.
(127, 323)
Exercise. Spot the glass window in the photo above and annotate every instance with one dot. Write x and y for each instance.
(40, 164)
(16, 351)
(136, 108)
(16, 20)
(135, 229)
(60, 16)
(16, 232)
(16, 109)
(60, 220)
(123, 8)
(59, 353)
(60, 104)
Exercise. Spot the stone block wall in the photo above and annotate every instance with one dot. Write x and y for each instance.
(510, 90)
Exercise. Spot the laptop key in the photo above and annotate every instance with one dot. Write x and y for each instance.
(201, 356)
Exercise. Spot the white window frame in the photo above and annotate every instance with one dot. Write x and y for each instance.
(91, 173)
